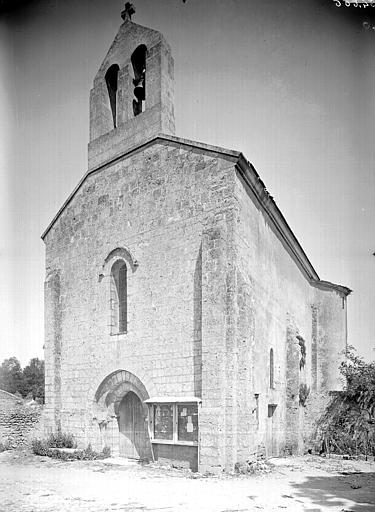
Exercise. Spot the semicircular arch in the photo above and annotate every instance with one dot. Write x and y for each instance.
(120, 253)
(117, 384)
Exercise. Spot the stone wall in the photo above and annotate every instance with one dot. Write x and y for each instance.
(182, 457)
(280, 308)
(316, 405)
(169, 206)
(20, 421)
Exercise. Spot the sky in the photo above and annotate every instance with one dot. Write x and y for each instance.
(290, 84)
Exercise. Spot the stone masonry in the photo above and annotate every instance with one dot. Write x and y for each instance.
(20, 421)
(215, 280)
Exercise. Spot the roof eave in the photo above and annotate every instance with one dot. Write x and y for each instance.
(271, 210)
(344, 291)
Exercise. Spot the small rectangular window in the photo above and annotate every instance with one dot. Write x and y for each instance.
(187, 422)
(271, 410)
(163, 421)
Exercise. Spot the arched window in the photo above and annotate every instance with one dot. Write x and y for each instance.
(119, 297)
(272, 384)
(138, 60)
(111, 78)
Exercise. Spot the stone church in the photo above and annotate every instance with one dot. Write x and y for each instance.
(184, 322)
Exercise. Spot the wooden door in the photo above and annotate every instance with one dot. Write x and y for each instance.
(132, 427)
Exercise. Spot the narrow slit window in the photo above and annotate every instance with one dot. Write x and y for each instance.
(119, 297)
(272, 383)
(111, 78)
(257, 409)
(122, 296)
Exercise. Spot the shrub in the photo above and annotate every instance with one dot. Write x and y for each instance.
(106, 452)
(86, 454)
(61, 440)
(4, 446)
(45, 448)
(348, 424)
(40, 447)
(89, 454)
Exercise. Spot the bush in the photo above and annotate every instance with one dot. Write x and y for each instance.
(348, 424)
(106, 452)
(61, 440)
(4, 446)
(40, 447)
(47, 448)
(86, 454)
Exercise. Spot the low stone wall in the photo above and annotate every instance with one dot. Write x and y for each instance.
(316, 406)
(20, 421)
(182, 457)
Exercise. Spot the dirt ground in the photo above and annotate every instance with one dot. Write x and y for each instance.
(31, 483)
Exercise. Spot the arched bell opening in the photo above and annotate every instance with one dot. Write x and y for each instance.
(111, 78)
(138, 60)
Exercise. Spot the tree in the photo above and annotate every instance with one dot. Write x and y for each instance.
(348, 425)
(11, 376)
(29, 381)
(34, 378)
(33, 375)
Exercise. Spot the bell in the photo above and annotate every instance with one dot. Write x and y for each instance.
(139, 90)
(137, 107)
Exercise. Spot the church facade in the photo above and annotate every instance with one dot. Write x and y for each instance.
(183, 320)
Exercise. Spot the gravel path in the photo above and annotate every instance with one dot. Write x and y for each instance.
(34, 484)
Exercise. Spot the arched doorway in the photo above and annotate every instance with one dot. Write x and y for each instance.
(122, 415)
(134, 441)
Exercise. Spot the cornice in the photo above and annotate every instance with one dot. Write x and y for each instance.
(282, 228)
(276, 218)
(327, 285)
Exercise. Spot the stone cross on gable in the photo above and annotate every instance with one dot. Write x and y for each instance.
(127, 13)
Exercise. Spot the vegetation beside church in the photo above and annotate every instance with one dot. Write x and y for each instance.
(27, 382)
(348, 424)
(63, 446)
